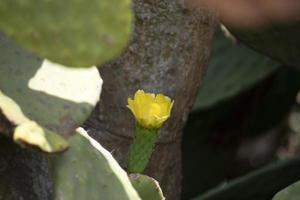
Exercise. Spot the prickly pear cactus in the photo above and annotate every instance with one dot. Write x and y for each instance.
(147, 187)
(279, 41)
(231, 63)
(48, 104)
(88, 171)
(71, 32)
(291, 192)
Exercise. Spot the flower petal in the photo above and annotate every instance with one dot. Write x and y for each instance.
(150, 110)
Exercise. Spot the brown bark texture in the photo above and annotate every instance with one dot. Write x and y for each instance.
(24, 173)
(168, 53)
(5, 126)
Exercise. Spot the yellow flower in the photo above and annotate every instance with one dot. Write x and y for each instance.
(150, 110)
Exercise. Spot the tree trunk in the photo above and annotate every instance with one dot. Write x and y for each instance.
(168, 54)
(24, 173)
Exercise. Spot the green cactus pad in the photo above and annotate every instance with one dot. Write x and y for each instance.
(279, 41)
(27, 131)
(30, 133)
(141, 149)
(233, 68)
(88, 171)
(71, 32)
(291, 192)
(41, 91)
(147, 187)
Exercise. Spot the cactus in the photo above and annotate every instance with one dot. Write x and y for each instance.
(291, 192)
(71, 32)
(261, 184)
(141, 149)
(279, 41)
(231, 64)
(42, 101)
(147, 187)
(21, 79)
(88, 171)
(27, 131)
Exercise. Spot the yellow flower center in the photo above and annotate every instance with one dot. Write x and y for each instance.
(155, 110)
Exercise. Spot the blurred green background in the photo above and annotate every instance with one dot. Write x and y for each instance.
(239, 135)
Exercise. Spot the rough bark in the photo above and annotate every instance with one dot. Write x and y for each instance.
(5, 126)
(24, 173)
(168, 54)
